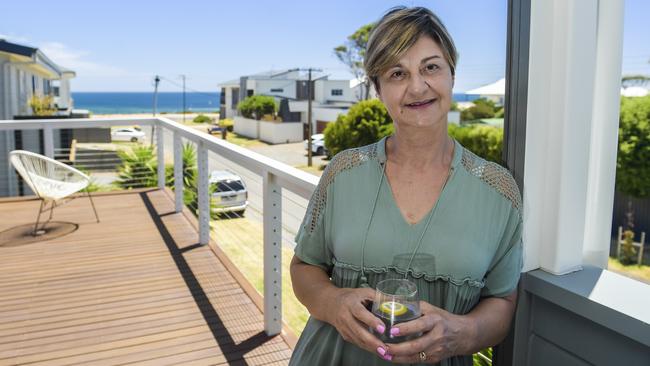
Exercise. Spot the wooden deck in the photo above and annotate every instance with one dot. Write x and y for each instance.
(132, 289)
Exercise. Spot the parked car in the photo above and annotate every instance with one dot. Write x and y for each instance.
(214, 129)
(229, 192)
(317, 144)
(128, 134)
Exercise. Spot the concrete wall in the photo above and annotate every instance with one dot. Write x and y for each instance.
(280, 133)
(271, 132)
(246, 127)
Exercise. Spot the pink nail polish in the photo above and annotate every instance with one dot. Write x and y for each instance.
(381, 329)
(388, 358)
(381, 351)
(394, 331)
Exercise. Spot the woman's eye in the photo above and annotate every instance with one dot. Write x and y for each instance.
(397, 75)
(432, 67)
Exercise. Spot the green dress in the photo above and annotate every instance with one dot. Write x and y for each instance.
(471, 248)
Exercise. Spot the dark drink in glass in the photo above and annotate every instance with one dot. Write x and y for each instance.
(396, 301)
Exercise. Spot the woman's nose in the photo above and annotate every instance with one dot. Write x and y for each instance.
(418, 84)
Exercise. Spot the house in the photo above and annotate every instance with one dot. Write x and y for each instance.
(24, 72)
(290, 87)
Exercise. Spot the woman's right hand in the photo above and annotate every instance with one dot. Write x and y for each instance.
(348, 314)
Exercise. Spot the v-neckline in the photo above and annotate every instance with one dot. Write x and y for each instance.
(391, 197)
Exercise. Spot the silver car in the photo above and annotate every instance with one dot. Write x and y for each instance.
(229, 192)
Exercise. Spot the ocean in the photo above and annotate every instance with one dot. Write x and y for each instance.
(169, 102)
(142, 102)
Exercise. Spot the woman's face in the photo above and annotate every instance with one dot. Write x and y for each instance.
(417, 90)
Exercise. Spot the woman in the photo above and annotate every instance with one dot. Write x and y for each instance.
(415, 204)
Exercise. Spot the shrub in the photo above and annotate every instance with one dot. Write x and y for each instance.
(633, 160)
(365, 123)
(42, 105)
(482, 108)
(138, 168)
(484, 141)
(256, 106)
(202, 118)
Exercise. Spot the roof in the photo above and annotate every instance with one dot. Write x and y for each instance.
(277, 75)
(496, 88)
(220, 175)
(634, 91)
(41, 62)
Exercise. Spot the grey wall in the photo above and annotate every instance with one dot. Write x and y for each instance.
(559, 322)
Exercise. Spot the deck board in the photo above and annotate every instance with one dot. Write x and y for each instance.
(132, 289)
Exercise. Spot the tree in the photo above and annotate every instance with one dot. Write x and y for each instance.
(633, 160)
(352, 53)
(365, 123)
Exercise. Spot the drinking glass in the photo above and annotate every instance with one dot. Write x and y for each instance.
(396, 301)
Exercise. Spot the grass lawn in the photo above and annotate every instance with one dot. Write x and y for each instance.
(242, 240)
(641, 273)
(242, 141)
(315, 170)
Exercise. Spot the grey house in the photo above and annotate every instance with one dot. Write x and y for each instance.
(24, 72)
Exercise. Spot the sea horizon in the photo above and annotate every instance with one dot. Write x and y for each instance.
(131, 102)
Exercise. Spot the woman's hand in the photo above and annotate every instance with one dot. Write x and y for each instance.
(348, 314)
(443, 335)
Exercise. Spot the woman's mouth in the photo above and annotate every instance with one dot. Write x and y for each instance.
(421, 104)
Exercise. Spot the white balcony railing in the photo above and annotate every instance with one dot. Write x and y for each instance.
(277, 179)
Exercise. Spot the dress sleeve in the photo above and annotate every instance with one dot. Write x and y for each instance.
(311, 245)
(504, 271)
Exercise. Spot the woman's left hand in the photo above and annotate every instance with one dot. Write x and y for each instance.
(443, 335)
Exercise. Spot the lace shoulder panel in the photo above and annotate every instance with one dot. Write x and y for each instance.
(344, 160)
(493, 175)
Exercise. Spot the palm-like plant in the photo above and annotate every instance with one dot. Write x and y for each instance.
(138, 168)
(190, 180)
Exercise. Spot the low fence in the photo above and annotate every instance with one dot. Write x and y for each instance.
(271, 132)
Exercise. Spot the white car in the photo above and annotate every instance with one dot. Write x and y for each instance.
(317, 144)
(128, 134)
(229, 192)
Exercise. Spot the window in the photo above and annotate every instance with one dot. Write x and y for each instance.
(337, 92)
(228, 186)
(277, 90)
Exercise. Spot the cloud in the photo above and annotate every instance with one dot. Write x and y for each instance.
(79, 61)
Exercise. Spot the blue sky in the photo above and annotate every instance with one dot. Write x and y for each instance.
(120, 45)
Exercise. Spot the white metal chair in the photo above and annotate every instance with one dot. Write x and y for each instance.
(50, 180)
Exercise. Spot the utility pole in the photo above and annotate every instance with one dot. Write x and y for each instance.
(156, 81)
(309, 119)
(309, 128)
(183, 77)
(155, 94)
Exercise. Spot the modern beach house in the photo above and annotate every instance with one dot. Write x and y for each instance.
(290, 88)
(24, 72)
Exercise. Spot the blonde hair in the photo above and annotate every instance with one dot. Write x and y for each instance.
(397, 31)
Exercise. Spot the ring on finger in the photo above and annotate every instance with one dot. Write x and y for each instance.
(423, 356)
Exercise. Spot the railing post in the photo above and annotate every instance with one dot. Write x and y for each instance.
(48, 141)
(204, 195)
(272, 255)
(160, 147)
(178, 172)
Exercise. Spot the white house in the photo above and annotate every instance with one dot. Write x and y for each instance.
(26, 71)
(290, 87)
